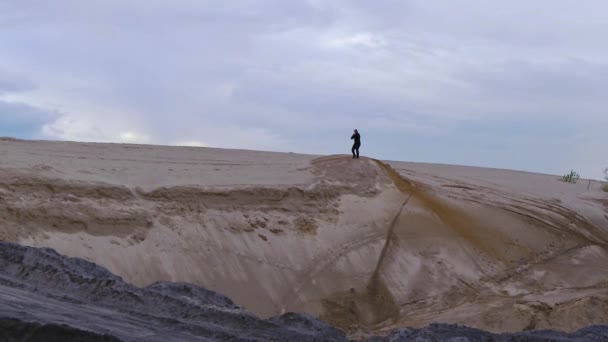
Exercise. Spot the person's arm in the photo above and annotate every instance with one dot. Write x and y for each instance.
(352, 137)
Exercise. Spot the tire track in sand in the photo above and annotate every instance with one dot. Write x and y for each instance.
(325, 260)
(352, 309)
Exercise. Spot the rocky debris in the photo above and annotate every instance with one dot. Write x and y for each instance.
(14, 330)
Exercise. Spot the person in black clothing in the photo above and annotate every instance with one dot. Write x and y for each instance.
(357, 138)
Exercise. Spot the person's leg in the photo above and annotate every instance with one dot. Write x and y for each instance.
(357, 149)
(353, 151)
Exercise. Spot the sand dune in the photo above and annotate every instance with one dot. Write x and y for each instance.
(366, 245)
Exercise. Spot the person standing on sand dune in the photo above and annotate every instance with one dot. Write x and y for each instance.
(357, 138)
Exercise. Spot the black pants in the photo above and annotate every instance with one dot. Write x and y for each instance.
(356, 149)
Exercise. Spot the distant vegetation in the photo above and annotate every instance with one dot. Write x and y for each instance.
(605, 187)
(571, 177)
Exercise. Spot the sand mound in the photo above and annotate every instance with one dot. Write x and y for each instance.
(366, 245)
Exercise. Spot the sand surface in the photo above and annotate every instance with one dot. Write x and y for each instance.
(365, 245)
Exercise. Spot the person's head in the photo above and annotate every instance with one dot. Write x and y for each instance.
(356, 131)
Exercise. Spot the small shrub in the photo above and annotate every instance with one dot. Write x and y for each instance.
(571, 177)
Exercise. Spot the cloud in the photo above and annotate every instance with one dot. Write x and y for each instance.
(191, 144)
(11, 82)
(132, 138)
(19, 119)
(23, 121)
(358, 40)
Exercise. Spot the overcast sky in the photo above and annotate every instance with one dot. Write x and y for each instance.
(511, 84)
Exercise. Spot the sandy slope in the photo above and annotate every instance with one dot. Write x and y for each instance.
(40, 286)
(46, 296)
(360, 243)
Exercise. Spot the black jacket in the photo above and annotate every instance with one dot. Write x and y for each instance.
(357, 138)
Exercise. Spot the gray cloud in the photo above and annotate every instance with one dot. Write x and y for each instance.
(22, 120)
(14, 83)
(19, 119)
